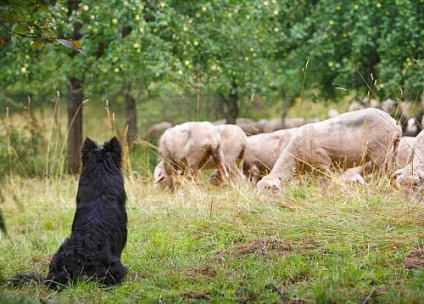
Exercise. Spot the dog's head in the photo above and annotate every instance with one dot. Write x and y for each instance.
(111, 152)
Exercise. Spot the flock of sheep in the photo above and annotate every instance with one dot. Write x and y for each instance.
(366, 141)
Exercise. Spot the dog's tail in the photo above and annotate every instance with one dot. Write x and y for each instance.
(19, 279)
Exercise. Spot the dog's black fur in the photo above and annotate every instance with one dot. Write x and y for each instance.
(99, 229)
(2, 224)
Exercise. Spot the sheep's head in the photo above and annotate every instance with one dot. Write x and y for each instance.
(268, 184)
(409, 176)
(159, 173)
(352, 177)
(162, 180)
(411, 181)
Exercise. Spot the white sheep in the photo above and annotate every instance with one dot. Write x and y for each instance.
(411, 177)
(233, 145)
(403, 156)
(345, 141)
(186, 148)
(155, 131)
(405, 150)
(263, 151)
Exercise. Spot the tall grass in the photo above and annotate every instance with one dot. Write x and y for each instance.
(309, 244)
(33, 144)
(318, 241)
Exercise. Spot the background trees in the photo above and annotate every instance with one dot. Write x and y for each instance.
(178, 61)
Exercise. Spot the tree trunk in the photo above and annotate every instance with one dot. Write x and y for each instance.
(284, 112)
(233, 110)
(130, 114)
(75, 98)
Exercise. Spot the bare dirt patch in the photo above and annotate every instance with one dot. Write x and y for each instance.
(198, 295)
(414, 258)
(204, 272)
(260, 247)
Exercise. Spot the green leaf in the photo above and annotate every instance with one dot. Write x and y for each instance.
(38, 43)
(21, 29)
(43, 6)
(47, 32)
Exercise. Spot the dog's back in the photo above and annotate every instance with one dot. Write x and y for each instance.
(99, 229)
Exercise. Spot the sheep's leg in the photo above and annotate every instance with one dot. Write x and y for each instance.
(218, 157)
(255, 174)
(193, 166)
(195, 172)
(168, 174)
(234, 168)
(387, 161)
(223, 173)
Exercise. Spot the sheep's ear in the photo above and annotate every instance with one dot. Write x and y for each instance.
(87, 147)
(115, 148)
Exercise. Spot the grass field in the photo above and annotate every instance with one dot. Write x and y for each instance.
(319, 241)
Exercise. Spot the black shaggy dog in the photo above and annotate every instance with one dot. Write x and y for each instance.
(99, 229)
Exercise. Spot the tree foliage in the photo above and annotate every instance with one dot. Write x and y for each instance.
(35, 19)
(349, 44)
(218, 48)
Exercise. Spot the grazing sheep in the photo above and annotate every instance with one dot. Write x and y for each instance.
(163, 180)
(405, 150)
(355, 106)
(366, 102)
(403, 157)
(411, 128)
(272, 125)
(249, 126)
(186, 148)
(156, 130)
(348, 140)
(402, 114)
(411, 177)
(371, 103)
(353, 176)
(233, 145)
(332, 113)
(297, 122)
(388, 105)
(263, 151)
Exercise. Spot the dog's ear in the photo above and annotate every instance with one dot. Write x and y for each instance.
(115, 148)
(87, 147)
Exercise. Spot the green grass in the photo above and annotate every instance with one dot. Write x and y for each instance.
(315, 242)
(319, 241)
